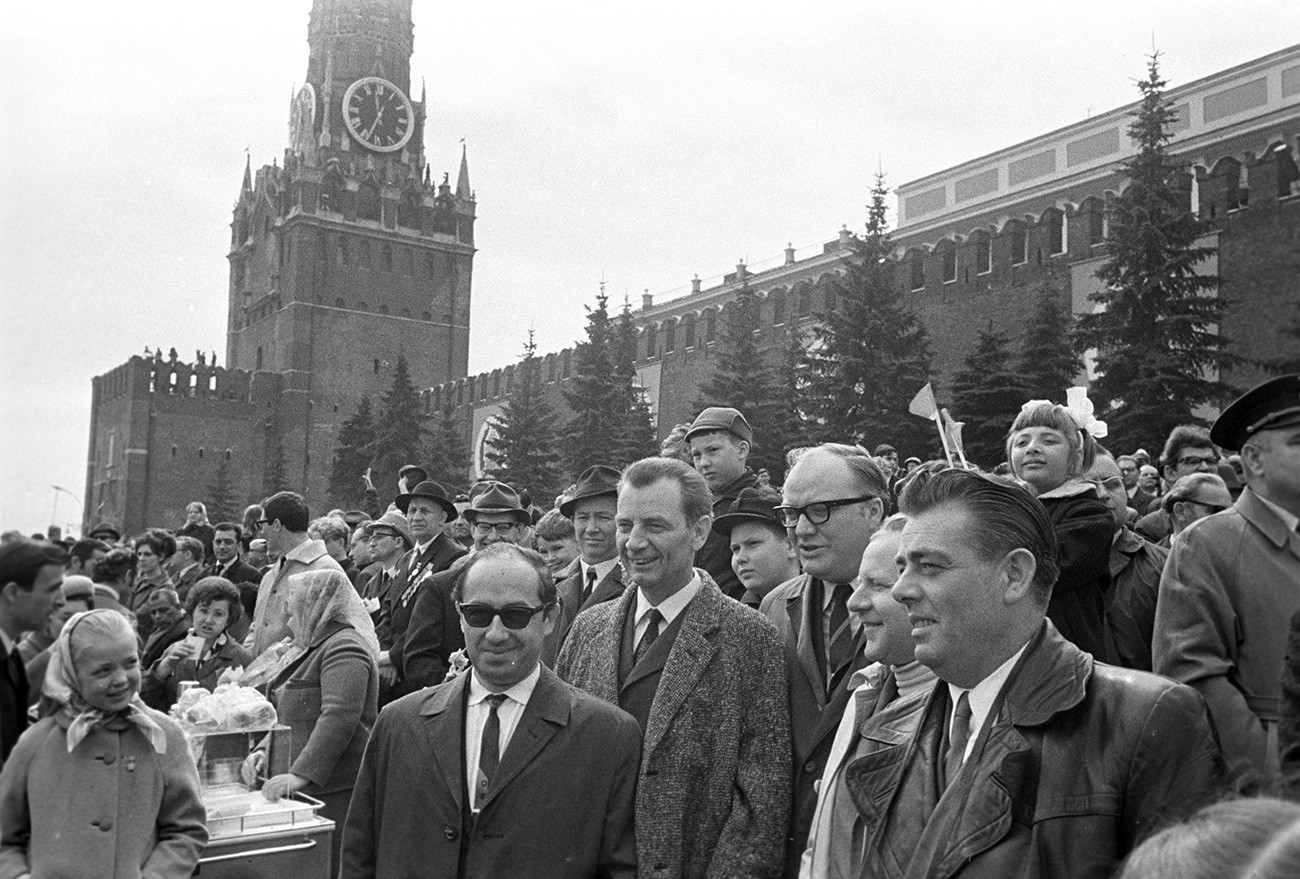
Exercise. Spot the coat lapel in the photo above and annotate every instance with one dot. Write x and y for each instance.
(444, 725)
(606, 644)
(607, 589)
(692, 651)
(546, 713)
(799, 607)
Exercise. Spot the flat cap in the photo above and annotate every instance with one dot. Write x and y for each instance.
(757, 504)
(392, 522)
(1272, 404)
(724, 418)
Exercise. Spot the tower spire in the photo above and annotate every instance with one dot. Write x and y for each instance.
(248, 171)
(462, 179)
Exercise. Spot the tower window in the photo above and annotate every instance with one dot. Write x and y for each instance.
(778, 307)
(387, 254)
(983, 256)
(670, 337)
(651, 342)
(918, 273)
(1056, 236)
(805, 302)
(688, 330)
(710, 325)
(949, 264)
(363, 253)
(345, 255)
(376, 366)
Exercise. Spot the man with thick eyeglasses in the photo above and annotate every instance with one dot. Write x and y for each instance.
(474, 757)
(495, 515)
(834, 499)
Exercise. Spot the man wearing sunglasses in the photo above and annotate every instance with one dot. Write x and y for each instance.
(474, 757)
(834, 500)
(495, 515)
(705, 678)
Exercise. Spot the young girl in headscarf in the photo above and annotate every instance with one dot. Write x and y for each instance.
(106, 787)
(1050, 447)
(326, 689)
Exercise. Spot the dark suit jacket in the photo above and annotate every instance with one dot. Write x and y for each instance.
(559, 807)
(1076, 764)
(713, 795)
(240, 572)
(13, 706)
(186, 581)
(432, 635)
(395, 609)
(794, 609)
(571, 604)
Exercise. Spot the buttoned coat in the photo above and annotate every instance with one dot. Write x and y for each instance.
(397, 607)
(559, 806)
(112, 809)
(713, 794)
(1227, 594)
(269, 624)
(431, 634)
(793, 609)
(1077, 762)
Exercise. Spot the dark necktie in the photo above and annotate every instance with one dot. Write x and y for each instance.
(489, 752)
(839, 649)
(651, 633)
(959, 737)
(591, 584)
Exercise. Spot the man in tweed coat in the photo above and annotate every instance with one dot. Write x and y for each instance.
(704, 675)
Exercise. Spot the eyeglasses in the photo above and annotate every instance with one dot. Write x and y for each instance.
(515, 616)
(503, 528)
(818, 513)
(1198, 460)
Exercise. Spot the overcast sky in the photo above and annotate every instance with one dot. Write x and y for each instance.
(641, 143)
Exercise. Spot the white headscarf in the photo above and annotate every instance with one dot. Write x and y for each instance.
(62, 686)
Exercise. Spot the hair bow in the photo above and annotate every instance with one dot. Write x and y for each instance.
(1080, 409)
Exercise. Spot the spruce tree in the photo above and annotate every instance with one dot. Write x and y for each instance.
(221, 503)
(635, 433)
(524, 447)
(786, 427)
(1156, 348)
(871, 354)
(1048, 361)
(352, 455)
(593, 394)
(399, 430)
(446, 452)
(741, 375)
(987, 396)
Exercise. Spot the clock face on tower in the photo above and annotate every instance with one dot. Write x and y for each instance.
(378, 115)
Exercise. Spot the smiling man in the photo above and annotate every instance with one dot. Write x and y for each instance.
(598, 577)
(475, 758)
(1030, 759)
(834, 500)
(705, 678)
(31, 575)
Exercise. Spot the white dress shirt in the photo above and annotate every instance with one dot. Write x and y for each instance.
(982, 696)
(476, 715)
(670, 608)
(602, 569)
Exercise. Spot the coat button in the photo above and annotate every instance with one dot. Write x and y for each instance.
(109, 759)
(810, 767)
(105, 824)
(449, 832)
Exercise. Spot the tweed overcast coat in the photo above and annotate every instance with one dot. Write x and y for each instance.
(713, 794)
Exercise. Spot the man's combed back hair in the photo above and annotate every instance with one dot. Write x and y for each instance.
(554, 526)
(871, 479)
(330, 528)
(230, 526)
(192, 545)
(697, 501)
(1002, 516)
(85, 548)
(21, 561)
(289, 508)
(545, 582)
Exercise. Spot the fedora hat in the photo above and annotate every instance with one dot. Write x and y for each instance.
(104, 529)
(490, 496)
(392, 521)
(751, 505)
(431, 490)
(597, 480)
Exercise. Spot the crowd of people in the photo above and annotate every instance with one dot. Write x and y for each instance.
(1080, 661)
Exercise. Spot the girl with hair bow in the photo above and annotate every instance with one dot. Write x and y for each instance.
(1049, 448)
(105, 787)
